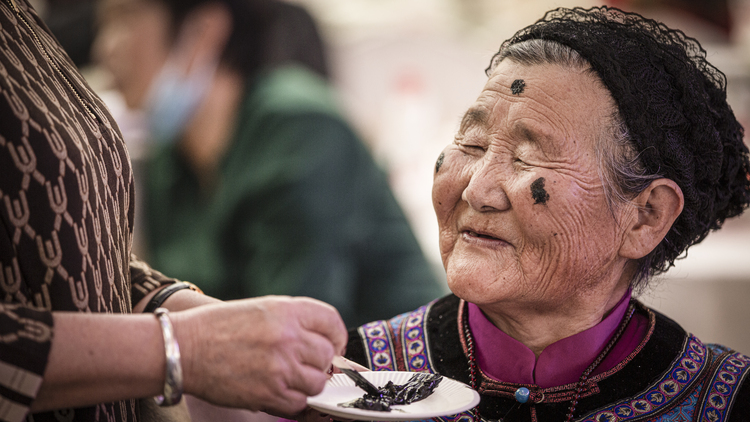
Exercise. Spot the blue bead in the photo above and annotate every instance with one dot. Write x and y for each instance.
(522, 395)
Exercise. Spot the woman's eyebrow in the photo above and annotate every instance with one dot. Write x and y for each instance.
(473, 117)
(527, 133)
(535, 136)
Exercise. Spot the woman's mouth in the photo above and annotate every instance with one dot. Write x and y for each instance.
(482, 239)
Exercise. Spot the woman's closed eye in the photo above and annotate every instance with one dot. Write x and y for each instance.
(520, 164)
(469, 147)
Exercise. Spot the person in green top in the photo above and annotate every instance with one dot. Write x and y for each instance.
(257, 185)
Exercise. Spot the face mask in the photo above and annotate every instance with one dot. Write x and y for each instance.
(174, 97)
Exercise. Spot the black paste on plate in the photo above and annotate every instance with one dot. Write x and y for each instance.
(420, 386)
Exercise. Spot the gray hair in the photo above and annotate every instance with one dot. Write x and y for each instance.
(621, 171)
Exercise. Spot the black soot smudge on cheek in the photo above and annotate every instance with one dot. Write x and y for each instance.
(538, 193)
(517, 86)
(439, 162)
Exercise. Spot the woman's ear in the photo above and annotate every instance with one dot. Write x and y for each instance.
(657, 208)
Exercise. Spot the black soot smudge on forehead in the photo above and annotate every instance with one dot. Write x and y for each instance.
(538, 193)
(439, 162)
(517, 86)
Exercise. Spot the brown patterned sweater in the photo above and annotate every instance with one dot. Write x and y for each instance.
(66, 212)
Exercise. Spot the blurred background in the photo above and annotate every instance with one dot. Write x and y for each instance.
(404, 72)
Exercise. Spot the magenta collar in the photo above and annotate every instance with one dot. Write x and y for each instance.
(503, 358)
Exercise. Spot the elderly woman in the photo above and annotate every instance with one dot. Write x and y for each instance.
(600, 149)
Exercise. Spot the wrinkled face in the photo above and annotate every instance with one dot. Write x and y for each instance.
(521, 208)
(133, 43)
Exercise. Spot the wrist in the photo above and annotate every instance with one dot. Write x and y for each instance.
(186, 329)
(173, 385)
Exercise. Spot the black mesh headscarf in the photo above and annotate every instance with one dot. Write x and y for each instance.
(673, 103)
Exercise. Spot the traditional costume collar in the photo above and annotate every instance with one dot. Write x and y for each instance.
(503, 358)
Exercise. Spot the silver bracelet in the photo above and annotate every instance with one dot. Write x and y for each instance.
(173, 381)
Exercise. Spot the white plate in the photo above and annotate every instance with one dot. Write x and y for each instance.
(449, 398)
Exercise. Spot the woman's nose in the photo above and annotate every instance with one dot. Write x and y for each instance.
(485, 191)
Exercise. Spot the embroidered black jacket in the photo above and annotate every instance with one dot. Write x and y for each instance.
(671, 376)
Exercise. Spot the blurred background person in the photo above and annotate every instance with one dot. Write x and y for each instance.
(255, 184)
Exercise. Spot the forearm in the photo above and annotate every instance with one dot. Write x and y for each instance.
(101, 358)
(260, 354)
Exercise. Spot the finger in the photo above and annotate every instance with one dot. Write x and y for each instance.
(324, 319)
(306, 379)
(316, 351)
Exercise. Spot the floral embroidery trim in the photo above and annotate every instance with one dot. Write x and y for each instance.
(377, 338)
(399, 344)
(413, 338)
(683, 411)
(717, 400)
(662, 395)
